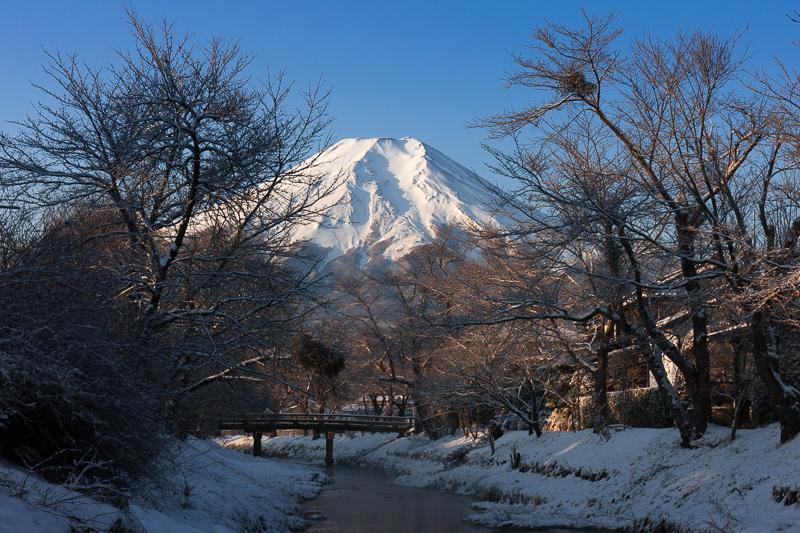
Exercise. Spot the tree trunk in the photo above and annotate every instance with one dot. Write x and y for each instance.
(702, 359)
(424, 418)
(742, 403)
(600, 418)
(533, 426)
(701, 395)
(670, 396)
(654, 362)
(784, 398)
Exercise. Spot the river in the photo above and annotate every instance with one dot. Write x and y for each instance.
(362, 501)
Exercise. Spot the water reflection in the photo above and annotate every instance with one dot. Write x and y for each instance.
(361, 501)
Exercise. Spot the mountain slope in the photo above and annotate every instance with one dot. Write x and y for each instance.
(395, 193)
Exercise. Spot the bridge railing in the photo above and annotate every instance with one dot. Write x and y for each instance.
(286, 417)
(326, 422)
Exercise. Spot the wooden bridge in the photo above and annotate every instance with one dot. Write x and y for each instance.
(259, 423)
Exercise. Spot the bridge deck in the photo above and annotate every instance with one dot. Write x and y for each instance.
(322, 422)
(259, 423)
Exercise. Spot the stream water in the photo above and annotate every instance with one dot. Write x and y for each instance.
(362, 501)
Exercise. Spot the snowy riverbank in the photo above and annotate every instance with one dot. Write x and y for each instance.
(215, 491)
(580, 480)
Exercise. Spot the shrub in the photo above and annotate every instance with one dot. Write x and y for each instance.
(80, 399)
(85, 423)
(639, 408)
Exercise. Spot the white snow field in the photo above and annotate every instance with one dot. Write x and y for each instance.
(394, 193)
(216, 491)
(580, 480)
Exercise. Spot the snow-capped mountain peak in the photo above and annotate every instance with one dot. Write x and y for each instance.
(394, 194)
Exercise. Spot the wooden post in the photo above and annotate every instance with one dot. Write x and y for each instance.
(329, 449)
(256, 444)
(315, 434)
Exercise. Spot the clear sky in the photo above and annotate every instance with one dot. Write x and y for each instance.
(398, 68)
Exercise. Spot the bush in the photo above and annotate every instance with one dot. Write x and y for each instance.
(316, 356)
(639, 408)
(80, 396)
(82, 423)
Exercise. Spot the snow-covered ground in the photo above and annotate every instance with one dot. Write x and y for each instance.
(581, 480)
(215, 491)
(562, 479)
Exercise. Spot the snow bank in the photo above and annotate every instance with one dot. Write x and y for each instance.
(581, 480)
(215, 491)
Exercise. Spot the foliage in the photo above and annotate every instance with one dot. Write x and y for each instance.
(638, 408)
(316, 356)
(78, 401)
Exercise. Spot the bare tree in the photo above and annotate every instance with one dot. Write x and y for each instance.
(189, 179)
(673, 150)
(397, 318)
(494, 370)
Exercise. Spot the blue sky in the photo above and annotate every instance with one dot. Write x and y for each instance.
(398, 68)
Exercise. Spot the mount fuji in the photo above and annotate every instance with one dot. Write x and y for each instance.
(394, 194)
